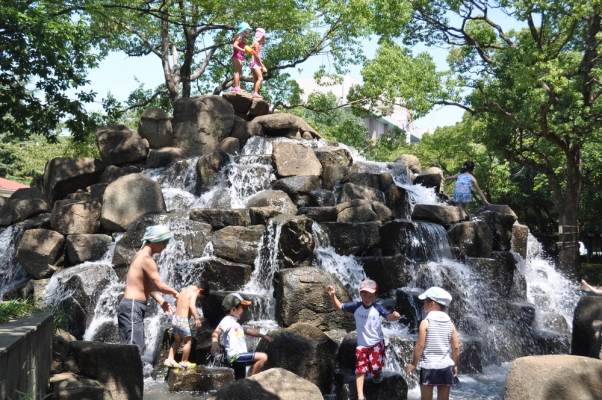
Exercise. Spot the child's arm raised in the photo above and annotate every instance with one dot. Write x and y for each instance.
(476, 185)
(588, 286)
(419, 348)
(451, 178)
(333, 297)
(215, 341)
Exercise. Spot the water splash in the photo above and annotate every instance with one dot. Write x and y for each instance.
(346, 268)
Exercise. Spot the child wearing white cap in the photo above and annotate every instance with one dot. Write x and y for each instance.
(437, 350)
(370, 349)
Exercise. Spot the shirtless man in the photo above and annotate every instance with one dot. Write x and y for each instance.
(185, 306)
(142, 281)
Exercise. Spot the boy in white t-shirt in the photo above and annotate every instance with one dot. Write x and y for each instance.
(234, 338)
(370, 350)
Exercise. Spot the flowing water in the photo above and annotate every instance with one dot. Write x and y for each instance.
(252, 172)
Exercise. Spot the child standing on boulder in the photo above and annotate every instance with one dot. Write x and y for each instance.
(234, 338)
(256, 64)
(464, 182)
(370, 350)
(437, 350)
(185, 305)
(238, 55)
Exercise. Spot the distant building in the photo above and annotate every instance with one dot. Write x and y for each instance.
(7, 188)
(397, 117)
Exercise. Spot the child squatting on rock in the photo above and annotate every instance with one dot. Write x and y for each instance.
(370, 350)
(185, 305)
(437, 350)
(234, 338)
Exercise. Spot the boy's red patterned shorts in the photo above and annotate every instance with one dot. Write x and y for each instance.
(369, 360)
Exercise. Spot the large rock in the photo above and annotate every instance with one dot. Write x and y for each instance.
(295, 243)
(76, 218)
(442, 215)
(520, 238)
(155, 126)
(587, 321)
(73, 389)
(243, 130)
(78, 290)
(39, 250)
(393, 386)
(209, 166)
(219, 219)
(500, 219)
(301, 297)
(230, 145)
(410, 162)
(390, 272)
(117, 367)
(274, 199)
(113, 172)
(295, 159)
(221, 274)
(23, 204)
(297, 186)
(199, 379)
(144, 196)
(162, 157)
(352, 238)
(351, 191)
(473, 238)
(86, 247)
(238, 243)
(304, 350)
(380, 181)
(333, 155)
(320, 214)
(334, 175)
(434, 181)
(65, 175)
(200, 123)
(283, 124)
(554, 377)
(118, 145)
(275, 383)
(397, 199)
(241, 101)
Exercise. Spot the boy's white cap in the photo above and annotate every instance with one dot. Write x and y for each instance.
(438, 295)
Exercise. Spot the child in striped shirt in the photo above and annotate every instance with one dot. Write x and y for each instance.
(437, 350)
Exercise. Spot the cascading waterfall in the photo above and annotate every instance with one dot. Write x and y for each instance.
(11, 272)
(252, 172)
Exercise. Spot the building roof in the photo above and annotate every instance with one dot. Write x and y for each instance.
(10, 185)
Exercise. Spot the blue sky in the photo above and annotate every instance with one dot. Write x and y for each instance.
(117, 74)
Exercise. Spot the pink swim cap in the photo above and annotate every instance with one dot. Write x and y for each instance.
(259, 33)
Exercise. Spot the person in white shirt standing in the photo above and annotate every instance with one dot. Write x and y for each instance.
(437, 350)
(370, 349)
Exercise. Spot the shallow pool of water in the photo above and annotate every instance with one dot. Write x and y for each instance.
(489, 385)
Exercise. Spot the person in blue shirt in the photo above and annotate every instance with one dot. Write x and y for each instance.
(370, 349)
(464, 182)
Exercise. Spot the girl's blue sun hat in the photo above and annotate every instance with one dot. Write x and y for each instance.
(242, 27)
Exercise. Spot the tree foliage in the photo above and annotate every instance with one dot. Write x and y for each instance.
(45, 52)
(530, 73)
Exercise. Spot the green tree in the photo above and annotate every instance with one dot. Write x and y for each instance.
(335, 122)
(45, 52)
(536, 88)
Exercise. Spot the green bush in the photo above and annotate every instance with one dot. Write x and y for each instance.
(12, 309)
